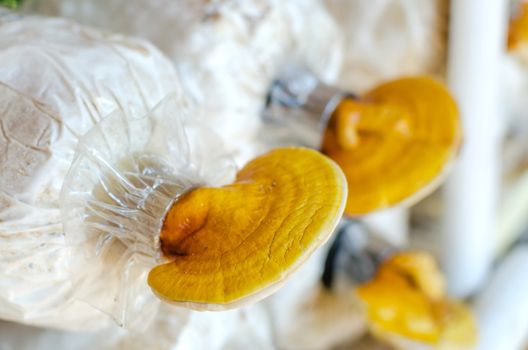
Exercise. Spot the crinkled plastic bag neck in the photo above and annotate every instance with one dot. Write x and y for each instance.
(126, 173)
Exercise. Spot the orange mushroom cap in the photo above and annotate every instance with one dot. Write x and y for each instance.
(394, 142)
(407, 299)
(235, 244)
(518, 28)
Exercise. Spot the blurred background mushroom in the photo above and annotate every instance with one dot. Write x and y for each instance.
(406, 303)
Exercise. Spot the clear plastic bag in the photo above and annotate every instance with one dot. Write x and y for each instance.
(227, 52)
(58, 79)
(126, 173)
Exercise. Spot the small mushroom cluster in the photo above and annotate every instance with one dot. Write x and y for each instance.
(395, 144)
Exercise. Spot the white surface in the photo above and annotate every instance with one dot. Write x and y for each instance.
(476, 44)
(305, 316)
(514, 206)
(175, 329)
(502, 307)
(392, 224)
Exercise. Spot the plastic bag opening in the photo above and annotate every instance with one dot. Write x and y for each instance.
(126, 173)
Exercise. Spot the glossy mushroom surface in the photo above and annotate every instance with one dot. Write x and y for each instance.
(393, 143)
(234, 244)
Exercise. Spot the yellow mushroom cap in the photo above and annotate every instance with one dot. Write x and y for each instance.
(232, 245)
(407, 299)
(394, 142)
(518, 28)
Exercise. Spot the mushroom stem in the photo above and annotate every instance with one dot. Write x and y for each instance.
(355, 254)
(185, 217)
(353, 118)
(298, 95)
(191, 212)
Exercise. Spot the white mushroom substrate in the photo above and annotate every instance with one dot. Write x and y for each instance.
(227, 52)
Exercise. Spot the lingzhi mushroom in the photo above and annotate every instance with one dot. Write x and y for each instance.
(394, 143)
(406, 303)
(518, 28)
(235, 244)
